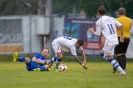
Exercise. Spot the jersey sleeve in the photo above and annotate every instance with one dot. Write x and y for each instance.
(81, 48)
(98, 28)
(118, 24)
(37, 55)
(73, 50)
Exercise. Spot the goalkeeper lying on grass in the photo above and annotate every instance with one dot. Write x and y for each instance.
(37, 63)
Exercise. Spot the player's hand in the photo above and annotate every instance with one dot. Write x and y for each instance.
(91, 30)
(43, 62)
(84, 62)
(121, 39)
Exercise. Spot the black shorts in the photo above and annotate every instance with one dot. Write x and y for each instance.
(122, 47)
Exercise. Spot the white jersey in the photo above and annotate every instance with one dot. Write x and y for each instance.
(107, 25)
(66, 44)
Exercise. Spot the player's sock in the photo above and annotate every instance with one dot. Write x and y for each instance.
(104, 56)
(124, 61)
(120, 61)
(21, 59)
(51, 60)
(116, 65)
(57, 62)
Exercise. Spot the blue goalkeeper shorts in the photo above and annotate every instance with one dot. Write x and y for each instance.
(32, 65)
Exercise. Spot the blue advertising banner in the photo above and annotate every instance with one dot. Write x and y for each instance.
(78, 28)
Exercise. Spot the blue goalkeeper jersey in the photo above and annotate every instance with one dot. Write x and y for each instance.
(39, 56)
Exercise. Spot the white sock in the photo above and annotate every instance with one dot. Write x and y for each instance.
(116, 65)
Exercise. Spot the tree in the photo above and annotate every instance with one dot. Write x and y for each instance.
(14, 7)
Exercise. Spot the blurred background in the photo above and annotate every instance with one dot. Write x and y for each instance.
(71, 7)
(26, 26)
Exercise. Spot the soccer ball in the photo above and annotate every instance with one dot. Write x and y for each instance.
(62, 68)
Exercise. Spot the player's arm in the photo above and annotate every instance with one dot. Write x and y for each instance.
(78, 60)
(83, 54)
(121, 32)
(98, 30)
(93, 32)
(119, 25)
(38, 61)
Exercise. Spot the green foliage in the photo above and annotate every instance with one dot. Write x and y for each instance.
(14, 7)
(90, 6)
(99, 75)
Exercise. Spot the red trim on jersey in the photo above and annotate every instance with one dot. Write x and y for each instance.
(58, 48)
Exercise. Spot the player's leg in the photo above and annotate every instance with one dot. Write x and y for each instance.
(58, 59)
(42, 68)
(17, 58)
(116, 65)
(58, 55)
(124, 61)
(30, 65)
(109, 51)
(104, 56)
(125, 46)
(118, 54)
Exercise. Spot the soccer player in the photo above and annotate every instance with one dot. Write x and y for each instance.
(37, 62)
(121, 49)
(106, 26)
(67, 44)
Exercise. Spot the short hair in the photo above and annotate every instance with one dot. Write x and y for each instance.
(122, 11)
(46, 48)
(101, 10)
(80, 42)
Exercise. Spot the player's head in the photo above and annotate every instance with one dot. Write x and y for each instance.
(79, 43)
(101, 10)
(45, 51)
(121, 11)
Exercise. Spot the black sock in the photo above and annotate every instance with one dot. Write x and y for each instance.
(120, 61)
(124, 61)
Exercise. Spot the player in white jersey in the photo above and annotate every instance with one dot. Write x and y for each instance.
(67, 44)
(106, 26)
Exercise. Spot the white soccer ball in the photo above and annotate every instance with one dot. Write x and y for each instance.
(62, 68)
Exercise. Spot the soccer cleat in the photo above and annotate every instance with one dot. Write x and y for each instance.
(114, 70)
(37, 69)
(48, 69)
(15, 56)
(122, 73)
(56, 69)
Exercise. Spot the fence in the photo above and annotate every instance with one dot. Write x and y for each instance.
(28, 34)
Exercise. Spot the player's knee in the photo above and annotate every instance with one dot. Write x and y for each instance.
(27, 59)
(47, 66)
(60, 55)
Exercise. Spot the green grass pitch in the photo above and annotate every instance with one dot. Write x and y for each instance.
(99, 75)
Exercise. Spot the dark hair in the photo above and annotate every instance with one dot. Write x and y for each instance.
(80, 42)
(122, 11)
(101, 10)
(46, 48)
